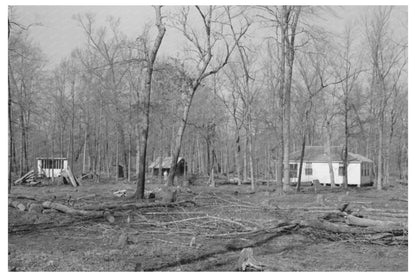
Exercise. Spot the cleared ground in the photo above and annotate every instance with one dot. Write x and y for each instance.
(206, 233)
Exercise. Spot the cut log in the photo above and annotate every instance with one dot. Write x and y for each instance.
(134, 205)
(24, 177)
(18, 205)
(69, 210)
(86, 197)
(384, 210)
(88, 175)
(110, 218)
(365, 222)
(35, 208)
(35, 183)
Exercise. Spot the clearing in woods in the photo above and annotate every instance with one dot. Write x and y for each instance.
(207, 229)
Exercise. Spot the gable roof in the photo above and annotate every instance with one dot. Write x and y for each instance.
(317, 154)
(166, 162)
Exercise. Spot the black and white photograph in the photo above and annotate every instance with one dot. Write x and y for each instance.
(242, 137)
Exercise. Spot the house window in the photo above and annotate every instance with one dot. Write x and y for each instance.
(341, 171)
(293, 172)
(308, 169)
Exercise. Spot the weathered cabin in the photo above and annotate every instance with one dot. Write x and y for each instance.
(315, 166)
(51, 167)
(155, 166)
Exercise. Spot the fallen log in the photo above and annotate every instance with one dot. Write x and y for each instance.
(398, 199)
(69, 210)
(394, 215)
(365, 222)
(29, 228)
(256, 239)
(391, 211)
(86, 197)
(35, 183)
(344, 228)
(129, 206)
(24, 177)
(22, 197)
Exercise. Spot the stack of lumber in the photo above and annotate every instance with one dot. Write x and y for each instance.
(28, 178)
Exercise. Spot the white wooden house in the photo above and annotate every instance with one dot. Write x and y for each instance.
(49, 167)
(315, 166)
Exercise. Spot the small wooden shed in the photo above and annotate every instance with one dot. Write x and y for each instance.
(155, 166)
(51, 167)
(315, 166)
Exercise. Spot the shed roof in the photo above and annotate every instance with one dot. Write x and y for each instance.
(317, 154)
(166, 162)
(50, 158)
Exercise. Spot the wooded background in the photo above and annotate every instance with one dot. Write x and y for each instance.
(252, 85)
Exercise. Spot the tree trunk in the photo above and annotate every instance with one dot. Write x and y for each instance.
(117, 158)
(72, 123)
(301, 163)
(179, 135)
(144, 132)
(380, 157)
(251, 152)
(9, 187)
(289, 54)
(85, 150)
(245, 157)
(328, 153)
(346, 135)
(237, 156)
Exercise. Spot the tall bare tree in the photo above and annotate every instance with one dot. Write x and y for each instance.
(150, 58)
(203, 46)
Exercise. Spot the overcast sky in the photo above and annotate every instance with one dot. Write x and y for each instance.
(60, 33)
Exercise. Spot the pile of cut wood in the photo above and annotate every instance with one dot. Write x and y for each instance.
(29, 179)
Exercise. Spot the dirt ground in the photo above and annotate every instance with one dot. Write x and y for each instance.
(206, 234)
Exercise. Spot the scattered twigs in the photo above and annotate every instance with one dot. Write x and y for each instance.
(259, 238)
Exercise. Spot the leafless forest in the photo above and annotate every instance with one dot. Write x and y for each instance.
(244, 87)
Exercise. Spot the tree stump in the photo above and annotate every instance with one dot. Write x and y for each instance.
(169, 195)
(35, 208)
(247, 260)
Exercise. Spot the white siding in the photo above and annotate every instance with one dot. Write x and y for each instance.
(320, 171)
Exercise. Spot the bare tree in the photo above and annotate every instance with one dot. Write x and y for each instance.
(203, 47)
(384, 57)
(150, 57)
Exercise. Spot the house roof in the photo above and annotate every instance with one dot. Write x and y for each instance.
(317, 154)
(166, 162)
